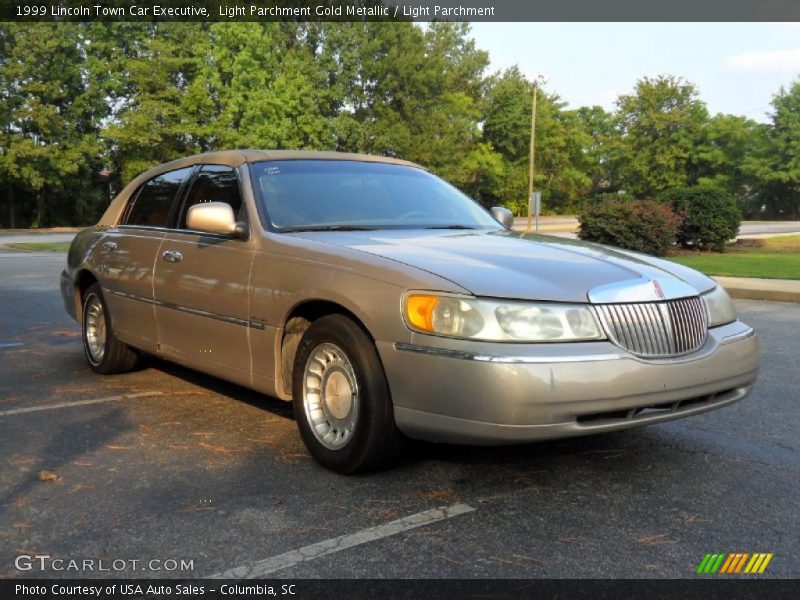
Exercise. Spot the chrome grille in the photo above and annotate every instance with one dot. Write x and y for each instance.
(654, 329)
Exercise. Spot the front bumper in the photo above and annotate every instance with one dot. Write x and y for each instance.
(483, 393)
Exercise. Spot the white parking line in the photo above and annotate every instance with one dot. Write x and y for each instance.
(11, 345)
(264, 567)
(18, 411)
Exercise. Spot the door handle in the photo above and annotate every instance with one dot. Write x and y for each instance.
(108, 247)
(171, 256)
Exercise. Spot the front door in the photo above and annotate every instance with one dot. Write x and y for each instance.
(201, 286)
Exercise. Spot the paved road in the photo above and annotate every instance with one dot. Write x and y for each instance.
(26, 238)
(216, 474)
(557, 226)
(768, 227)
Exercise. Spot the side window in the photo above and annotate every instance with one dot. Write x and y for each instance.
(152, 205)
(213, 183)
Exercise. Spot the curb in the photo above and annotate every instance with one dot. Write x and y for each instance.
(773, 290)
(770, 295)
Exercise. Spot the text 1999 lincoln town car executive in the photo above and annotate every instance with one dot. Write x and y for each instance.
(381, 300)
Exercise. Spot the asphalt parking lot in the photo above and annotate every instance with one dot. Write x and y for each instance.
(173, 465)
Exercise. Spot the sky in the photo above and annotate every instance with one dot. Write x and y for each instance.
(737, 67)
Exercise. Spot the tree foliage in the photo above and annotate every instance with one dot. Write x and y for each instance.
(561, 139)
(775, 165)
(84, 107)
(48, 145)
(659, 124)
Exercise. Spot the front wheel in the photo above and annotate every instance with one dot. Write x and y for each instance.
(341, 398)
(104, 352)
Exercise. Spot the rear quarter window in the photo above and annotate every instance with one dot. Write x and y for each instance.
(152, 205)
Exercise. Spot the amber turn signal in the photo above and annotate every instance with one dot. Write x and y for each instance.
(419, 310)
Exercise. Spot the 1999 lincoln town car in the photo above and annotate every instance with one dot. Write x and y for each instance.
(383, 302)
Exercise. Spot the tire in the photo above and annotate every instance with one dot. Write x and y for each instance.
(104, 352)
(341, 398)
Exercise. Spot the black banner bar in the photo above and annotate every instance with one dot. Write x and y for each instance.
(393, 10)
(209, 589)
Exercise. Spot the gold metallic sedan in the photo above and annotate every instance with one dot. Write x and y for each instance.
(385, 303)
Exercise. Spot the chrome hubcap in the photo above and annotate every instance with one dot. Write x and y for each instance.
(330, 396)
(94, 324)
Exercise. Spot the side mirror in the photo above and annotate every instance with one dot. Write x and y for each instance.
(503, 216)
(215, 217)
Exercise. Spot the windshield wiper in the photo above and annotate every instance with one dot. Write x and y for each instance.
(450, 227)
(326, 228)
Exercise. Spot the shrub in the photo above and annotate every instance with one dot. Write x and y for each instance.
(709, 217)
(642, 225)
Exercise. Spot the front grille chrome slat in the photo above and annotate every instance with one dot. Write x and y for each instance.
(645, 338)
(651, 313)
(658, 326)
(677, 319)
(649, 334)
(656, 329)
(685, 326)
(700, 325)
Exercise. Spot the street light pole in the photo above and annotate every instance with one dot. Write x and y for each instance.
(539, 80)
(531, 161)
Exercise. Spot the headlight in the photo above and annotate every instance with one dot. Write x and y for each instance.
(720, 307)
(500, 321)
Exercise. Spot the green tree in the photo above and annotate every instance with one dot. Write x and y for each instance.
(51, 116)
(601, 150)
(726, 143)
(661, 124)
(777, 163)
(78, 98)
(506, 127)
(411, 93)
(155, 67)
(261, 87)
(561, 163)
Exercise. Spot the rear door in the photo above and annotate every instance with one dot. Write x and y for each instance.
(202, 282)
(126, 255)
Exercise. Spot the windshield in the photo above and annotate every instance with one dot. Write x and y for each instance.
(302, 195)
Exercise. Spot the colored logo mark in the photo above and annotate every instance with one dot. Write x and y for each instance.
(734, 563)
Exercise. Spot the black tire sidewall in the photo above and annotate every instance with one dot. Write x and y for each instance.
(374, 402)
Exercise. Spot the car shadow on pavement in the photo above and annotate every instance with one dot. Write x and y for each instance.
(215, 385)
(606, 447)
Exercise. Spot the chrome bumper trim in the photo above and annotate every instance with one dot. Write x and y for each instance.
(737, 337)
(447, 353)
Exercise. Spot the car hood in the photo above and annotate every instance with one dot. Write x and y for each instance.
(514, 265)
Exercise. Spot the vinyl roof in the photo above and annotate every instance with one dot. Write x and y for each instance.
(234, 158)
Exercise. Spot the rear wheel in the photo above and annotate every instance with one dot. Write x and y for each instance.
(104, 352)
(341, 398)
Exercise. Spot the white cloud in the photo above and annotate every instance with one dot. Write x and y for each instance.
(780, 61)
